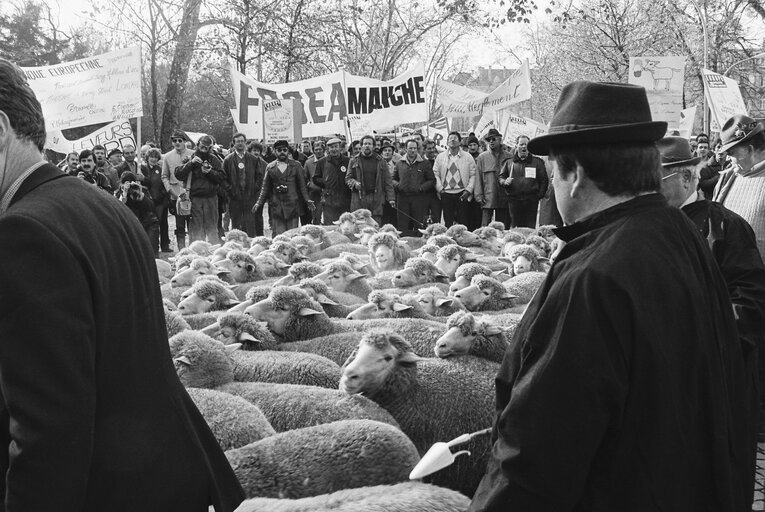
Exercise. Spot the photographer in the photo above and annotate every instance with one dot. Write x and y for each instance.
(87, 171)
(141, 204)
(206, 171)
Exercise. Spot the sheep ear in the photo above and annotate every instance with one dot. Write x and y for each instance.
(471, 256)
(423, 231)
(357, 235)
(409, 357)
(250, 267)
(398, 306)
(281, 265)
(491, 330)
(212, 328)
(246, 336)
(543, 260)
(308, 312)
(505, 259)
(444, 301)
(355, 275)
(232, 347)
(508, 295)
(336, 222)
(323, 299)
(183, 360)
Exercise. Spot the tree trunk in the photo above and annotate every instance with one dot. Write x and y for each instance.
(179, 71)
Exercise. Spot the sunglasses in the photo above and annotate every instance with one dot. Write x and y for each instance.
(204, 148)
(492, 139)
(176, 140)
(282, 150)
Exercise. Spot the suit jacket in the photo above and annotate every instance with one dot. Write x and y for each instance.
(289, 203)
(92, 414)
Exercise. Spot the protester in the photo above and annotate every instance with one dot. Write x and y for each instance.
(104, 167)
(474, 213)
(455, 171)
(709, 173)
(488, 191)
(388, 153)
(87, 171)
(72, 161)
(524, 178)
(172, 160)
(132, 193)
(622, 385)
(129, 163)
(94, 416)
(413, 181)
(314, 191)
(369, 180)
(330, 178)
(152, 171)
(734, 248)
(244, 174)
(283, 187)
(203, 175)
(433, 211)
(114, 158)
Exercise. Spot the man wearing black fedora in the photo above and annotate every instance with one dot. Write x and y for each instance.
(620, 389)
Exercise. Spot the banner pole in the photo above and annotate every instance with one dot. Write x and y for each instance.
(138, 134)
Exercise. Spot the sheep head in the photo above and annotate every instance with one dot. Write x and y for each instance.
(207, 295)
(199, 266)
(299, 271)
(462, 330)
(283, 306)
(418, 271)
(200, 361)
(339, 276)
(238, 236)
(450, 257)
(433, 230)
(465, 274)
(381, 304)
(483, 289)
(432, 299)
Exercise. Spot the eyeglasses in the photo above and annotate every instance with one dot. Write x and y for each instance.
(204, 148)
(670, 175)
(492, 139)
(177, 140)
(281, 150)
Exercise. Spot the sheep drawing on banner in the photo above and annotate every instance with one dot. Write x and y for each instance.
(661, 75)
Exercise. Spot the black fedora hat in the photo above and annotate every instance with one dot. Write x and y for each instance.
(493, 132)
(737, 130)
(676, 151)
(599, 113)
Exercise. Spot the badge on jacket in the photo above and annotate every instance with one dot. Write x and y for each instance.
(343, 170)
(531, 172)
(241, 165)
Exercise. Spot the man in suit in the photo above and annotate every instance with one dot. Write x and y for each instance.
(92, 414)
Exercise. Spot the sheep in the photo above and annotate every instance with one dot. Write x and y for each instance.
(253, 294)
(238, 236)
(418, 271)
(485, 294)
(490, 240)
(201, 247)
(234, 421)
(499, 226)
(433, 230)
(468, 335)
(523, 258)
(220, 253)
(207, 295)
(450, 257)
(299, 271)
(317, 234)
(321, 293)
(464, 275)
(286, 251)
(387, 252)
(432, 399)
(174, 322)
(202, 362)
(360, 265)
(324, 458)
(169, 305)
(385, 304)
(441, 240)
(525, 285)
(429, 252)
(364, 217)
(259, 244)
(240, 267)
(199, 266)
(181, 261)
(270, 264)
(243, 329)
(404, 497)
(341, 277)
(463, 236)
(365, 234)
(390, 228)
(511, 238)
(541, 245)
(547, 232)
(291, 314)
(347, 225)
(435, 302)
(164, 269)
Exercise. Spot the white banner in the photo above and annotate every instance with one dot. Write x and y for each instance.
(89, 91)
(115, 135)
(687, 118)
(458, 101)
(515, 126)
(723, 96)
(663, 79)
(484, 124)
(281, 120)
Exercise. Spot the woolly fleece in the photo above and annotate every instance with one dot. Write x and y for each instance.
(242, 323)
(285, 368)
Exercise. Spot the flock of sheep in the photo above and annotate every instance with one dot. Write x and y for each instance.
(328, 360)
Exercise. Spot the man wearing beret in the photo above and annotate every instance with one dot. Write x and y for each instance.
(283, 187)
(621, 387)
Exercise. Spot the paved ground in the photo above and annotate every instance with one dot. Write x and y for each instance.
(759, 485)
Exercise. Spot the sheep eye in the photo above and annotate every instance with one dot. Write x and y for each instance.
(474, 333)
(388, 358)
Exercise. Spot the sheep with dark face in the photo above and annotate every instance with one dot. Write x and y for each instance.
(299, 271)
(321, 293)
(432, 399)
(405, 497)
(547, 232)
(207, 295)
(238, 236)
(451, 257)
(485, 294)
(541, 245)
(464, 275)
(324, 458)
(271, 265)
(199, 266)
(305, 245)
(347, 225)
(239, 267)
(522, 258)
(341, 277)
(463, 236)
(239, 328)
(418, 271)
(468, 335)
(435, 302)
(490, 239)
(433, 230)
(387, 252)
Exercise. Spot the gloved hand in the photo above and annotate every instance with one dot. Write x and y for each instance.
(392, 204)
(465, 196)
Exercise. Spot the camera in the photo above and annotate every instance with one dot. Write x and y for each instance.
(134, 192)
(281, 189)
(206, 166)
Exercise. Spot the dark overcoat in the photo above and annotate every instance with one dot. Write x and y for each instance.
(92, 414)
(619, 389)
(289, 202)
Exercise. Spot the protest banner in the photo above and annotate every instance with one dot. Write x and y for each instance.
(484, 124)
(723, 96)
(359, 126)
(458, 101)
(663, 79)
(254, 128)
(281, 120)
(687, 118)
(115, 135)
(94, 90)
(515, 125)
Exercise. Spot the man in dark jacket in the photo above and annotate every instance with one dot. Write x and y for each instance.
(206, 172)
(87, 171)
(370, 181)
(244, 175)
(525, 180)
(283, 187)
(92, 414)
(413, 180)
(310, 171)
(329, 176)
(622, 385)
